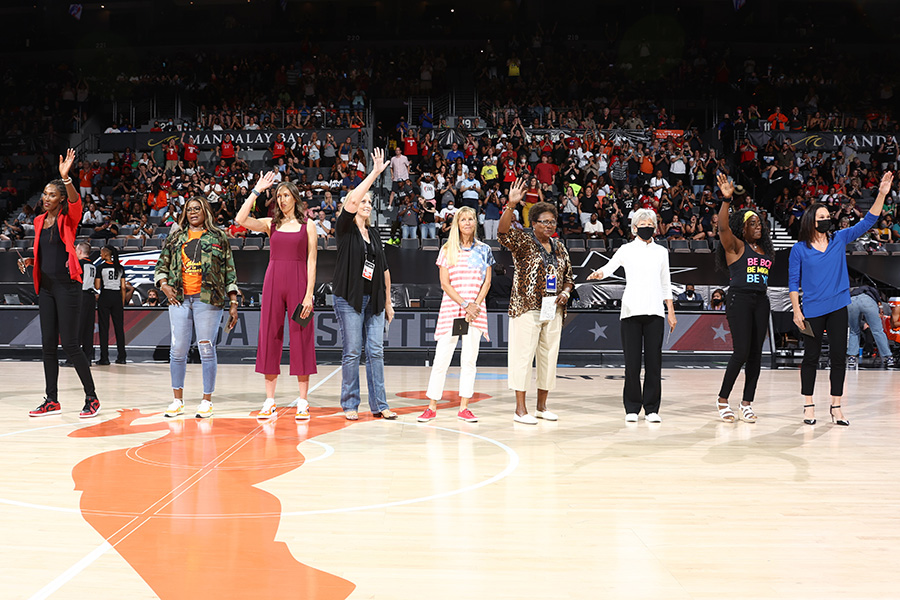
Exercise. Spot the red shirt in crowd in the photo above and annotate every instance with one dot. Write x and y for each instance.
(410, 146)
(227, 149)
(545, 172)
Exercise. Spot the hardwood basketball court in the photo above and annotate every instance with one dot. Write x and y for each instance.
(133, 505)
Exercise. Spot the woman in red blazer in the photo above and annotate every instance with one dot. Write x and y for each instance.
(57, 281)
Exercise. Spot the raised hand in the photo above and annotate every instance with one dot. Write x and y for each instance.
(65, 164)
(265, 182)
(517, 191)
(378, 162)
(885, 186)
(726, 186)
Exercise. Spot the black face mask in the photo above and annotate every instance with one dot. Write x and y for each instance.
(823, 226)
(645, 233)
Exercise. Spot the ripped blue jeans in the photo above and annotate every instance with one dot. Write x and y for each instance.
(205, 319)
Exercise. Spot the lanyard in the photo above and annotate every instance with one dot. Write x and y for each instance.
(549, 258)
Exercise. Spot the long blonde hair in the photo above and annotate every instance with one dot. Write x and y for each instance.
(451, 247)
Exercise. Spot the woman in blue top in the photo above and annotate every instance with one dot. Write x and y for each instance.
(818, 265)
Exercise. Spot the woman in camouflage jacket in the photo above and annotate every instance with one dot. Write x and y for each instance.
(196, 272)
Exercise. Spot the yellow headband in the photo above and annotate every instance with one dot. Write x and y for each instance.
(749, 214)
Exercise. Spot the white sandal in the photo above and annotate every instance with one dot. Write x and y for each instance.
(747, 413)
(725, 412)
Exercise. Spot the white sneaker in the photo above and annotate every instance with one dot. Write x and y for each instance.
(653, 418)
(631, 418)
(525, 419)
(204, 411)
(175, 409)
(302, 410)
(546, 415)
(268, 409)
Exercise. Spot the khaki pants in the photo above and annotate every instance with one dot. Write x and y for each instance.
(530, 340)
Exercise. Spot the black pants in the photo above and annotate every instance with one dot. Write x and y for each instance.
(110, 305)
(59, 304)
(836, 324)
(87, 318)
(642, 334)
(748, 317)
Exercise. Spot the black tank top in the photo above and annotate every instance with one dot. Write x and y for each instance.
(53, 256)
(750, 272)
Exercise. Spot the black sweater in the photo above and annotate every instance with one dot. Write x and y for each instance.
(348, 268)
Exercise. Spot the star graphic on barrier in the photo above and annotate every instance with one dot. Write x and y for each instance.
(721, 332)
(598, 331)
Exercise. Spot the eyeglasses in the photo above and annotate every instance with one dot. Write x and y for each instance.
(547, 223)
(194, 209)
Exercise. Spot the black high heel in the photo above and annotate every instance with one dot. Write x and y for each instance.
(843, 422)
(809, 421)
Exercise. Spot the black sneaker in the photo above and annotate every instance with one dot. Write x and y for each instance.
(120, 361)
(102, 362)
(50, 406)
(91, 407)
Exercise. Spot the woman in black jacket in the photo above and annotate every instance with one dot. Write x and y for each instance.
(362, 297)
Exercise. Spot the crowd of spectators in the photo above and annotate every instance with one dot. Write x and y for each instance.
(131, 195)
(596, 182)
(528, 83)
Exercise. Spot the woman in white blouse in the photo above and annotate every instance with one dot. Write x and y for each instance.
(647, 286)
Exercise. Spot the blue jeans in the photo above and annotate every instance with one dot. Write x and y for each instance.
(205, 319)
(864, 306)
(427, 231)
(409, 231)
(358, 329)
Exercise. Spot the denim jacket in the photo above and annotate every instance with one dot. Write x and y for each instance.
(216, 263)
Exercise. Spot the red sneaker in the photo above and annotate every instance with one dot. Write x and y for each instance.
(426, 416)
(50, 406)
(91, 407)
(467, 416)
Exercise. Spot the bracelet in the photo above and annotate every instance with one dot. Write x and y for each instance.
(567, 294)
(253, 191)
(67, 180)
(235, 302)
(464, 304)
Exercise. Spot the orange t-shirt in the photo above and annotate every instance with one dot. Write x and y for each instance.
(158, 200)
(191, 273)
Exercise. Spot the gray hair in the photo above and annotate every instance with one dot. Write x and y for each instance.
(640, 215)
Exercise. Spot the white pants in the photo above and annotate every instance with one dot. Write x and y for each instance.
(490, 228)
(531, 340)
(443, 354)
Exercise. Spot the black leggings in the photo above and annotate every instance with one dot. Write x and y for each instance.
(59, 303)
(642, 335)
(110, 305)
(835, 323)
(748, 316)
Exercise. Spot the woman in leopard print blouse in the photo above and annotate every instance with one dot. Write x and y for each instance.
(542, 285)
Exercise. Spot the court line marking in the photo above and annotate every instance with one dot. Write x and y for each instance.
(72, 571)
(144, 517)
(96, 553)
(511, 466)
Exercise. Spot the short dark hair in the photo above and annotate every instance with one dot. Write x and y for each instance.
(539, 209)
